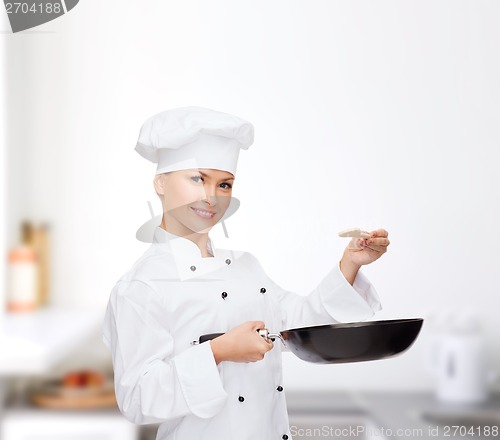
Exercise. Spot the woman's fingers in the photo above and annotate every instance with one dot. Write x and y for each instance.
(257, 325)
(377, 244)
(260, 325)
(378, 241)
(367, 250)
(379, 233)
(269, 344)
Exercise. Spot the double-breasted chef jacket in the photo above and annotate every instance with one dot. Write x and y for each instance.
(170, 297)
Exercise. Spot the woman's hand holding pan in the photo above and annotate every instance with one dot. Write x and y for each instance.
(241, 344)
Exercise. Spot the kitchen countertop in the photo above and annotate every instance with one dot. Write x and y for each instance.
(399, 415)
(32, 343)
(392, 416)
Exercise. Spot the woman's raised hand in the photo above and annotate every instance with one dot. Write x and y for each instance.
(366, 251)
(241, 344)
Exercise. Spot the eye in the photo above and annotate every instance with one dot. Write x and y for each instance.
(197, 179)
(229, 186)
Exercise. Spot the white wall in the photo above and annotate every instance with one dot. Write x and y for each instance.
(371, 114)
(3, 169)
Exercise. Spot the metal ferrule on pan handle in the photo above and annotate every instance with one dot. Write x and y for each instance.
(264, 332)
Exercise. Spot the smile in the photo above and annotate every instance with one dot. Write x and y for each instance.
(204, 214)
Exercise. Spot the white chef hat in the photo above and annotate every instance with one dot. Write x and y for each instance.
(194, 137)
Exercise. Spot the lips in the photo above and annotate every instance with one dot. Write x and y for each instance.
(203, 213)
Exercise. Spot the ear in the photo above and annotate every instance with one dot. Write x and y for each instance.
(159, 184)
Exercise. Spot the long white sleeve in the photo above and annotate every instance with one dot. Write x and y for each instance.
(151, 384)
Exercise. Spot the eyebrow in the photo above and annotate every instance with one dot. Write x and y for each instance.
(222, 180)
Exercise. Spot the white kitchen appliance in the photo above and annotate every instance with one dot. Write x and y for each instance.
(457, 358)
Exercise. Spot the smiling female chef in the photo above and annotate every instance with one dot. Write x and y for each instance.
(182, 287)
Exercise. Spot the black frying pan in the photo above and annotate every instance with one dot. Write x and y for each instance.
(346, 342)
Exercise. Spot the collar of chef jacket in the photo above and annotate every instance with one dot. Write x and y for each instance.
(190, 264)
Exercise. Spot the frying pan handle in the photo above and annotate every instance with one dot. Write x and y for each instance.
(208, 337)
(264, 332)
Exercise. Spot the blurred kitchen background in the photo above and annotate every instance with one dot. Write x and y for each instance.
(370, 114)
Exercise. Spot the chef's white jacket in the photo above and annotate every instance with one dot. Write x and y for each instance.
(169, 298)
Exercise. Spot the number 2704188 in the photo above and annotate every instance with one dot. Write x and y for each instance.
(470, 431)
(33, 8)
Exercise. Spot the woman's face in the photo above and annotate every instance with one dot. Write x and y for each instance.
(194, 200)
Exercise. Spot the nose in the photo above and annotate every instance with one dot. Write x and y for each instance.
(210, 196)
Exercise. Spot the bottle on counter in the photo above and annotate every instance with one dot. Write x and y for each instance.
(22, 275)
(37, 238)
(28, 269)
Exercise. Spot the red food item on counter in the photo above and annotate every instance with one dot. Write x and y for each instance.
(72, 380)
(83, 379)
